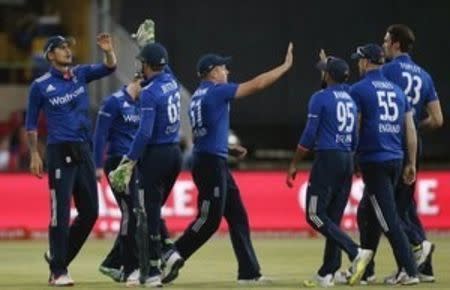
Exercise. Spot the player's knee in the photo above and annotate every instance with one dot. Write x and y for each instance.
(315, 220)
(208, 226)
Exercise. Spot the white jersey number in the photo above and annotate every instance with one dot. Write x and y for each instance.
(345, 117)
(386, 101)
(414, 83)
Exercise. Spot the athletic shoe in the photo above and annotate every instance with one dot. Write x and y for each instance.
(426, 278)
(368, 280)
(424, 251)
(409, 280)
(394, 278)
(173, 263)
(133, 279)
(63, 280)
(153, 281)
(113, 273)
(359, 265)
(260, 280)
(325, 282)
(341, 277)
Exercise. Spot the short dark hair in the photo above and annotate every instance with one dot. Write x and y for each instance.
(402, 34)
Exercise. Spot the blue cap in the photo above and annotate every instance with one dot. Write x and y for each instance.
(336, 67)
(154, 54)
(55, 41)
(207, 62)
(373, 52)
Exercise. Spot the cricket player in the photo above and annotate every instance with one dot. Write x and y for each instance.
(156, 146)
(419, 88)
(219, 194)
(386, 118)
(62, 94)
(331, 133)
(117, 123)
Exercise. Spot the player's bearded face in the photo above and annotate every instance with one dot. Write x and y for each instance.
(387, 46)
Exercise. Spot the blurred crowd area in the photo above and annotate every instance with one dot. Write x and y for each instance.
(24, 27)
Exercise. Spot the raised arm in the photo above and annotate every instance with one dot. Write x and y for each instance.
(266, 79)
(104, 41)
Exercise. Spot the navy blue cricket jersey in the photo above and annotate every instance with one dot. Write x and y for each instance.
(160, 114)
(332, 117)
(382, 105)
(65, 101)
(415, 82)
(117, 122)
(209, 113)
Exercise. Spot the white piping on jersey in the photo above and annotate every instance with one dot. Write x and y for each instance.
(43, 77)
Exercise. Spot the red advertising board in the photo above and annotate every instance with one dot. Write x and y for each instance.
(270, 204)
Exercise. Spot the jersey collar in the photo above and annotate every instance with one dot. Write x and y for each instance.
(153, 78)
(56, 73)
(374, 73)
(403, 57)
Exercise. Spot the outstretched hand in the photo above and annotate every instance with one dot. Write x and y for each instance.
(289, 56)
(104, 41)
(322, 55)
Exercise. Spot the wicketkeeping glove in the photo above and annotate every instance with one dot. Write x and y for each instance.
(145, 33)
(120, 177)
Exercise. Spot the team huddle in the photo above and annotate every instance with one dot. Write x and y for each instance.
(369, 127)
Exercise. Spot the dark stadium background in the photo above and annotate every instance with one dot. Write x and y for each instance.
(256, 33)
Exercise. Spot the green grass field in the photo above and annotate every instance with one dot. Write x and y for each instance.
(287, 260)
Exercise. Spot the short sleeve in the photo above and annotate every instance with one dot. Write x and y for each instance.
(225, 92)
(33, 108)
(431, 94)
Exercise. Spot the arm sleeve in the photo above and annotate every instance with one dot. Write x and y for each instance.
(431, 94)
(225, 92)
(308, 138)
(105, 117)
(145, 131)
(95, 71)
(407, 104)
(33, 108)
(356, 98)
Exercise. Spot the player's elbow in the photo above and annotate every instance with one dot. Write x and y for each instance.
(437, 121)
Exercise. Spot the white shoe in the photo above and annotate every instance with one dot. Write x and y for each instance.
(173, 264)
(326, 281)
(425, 251)
(369, 280)
(341, 277)
(394, 278)
(320, 281)
(153, 282)
(359, 265)
(63, 280)
(261, 280)
(426, 278)
(401, 278)
(408, 280)
(133, 279)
